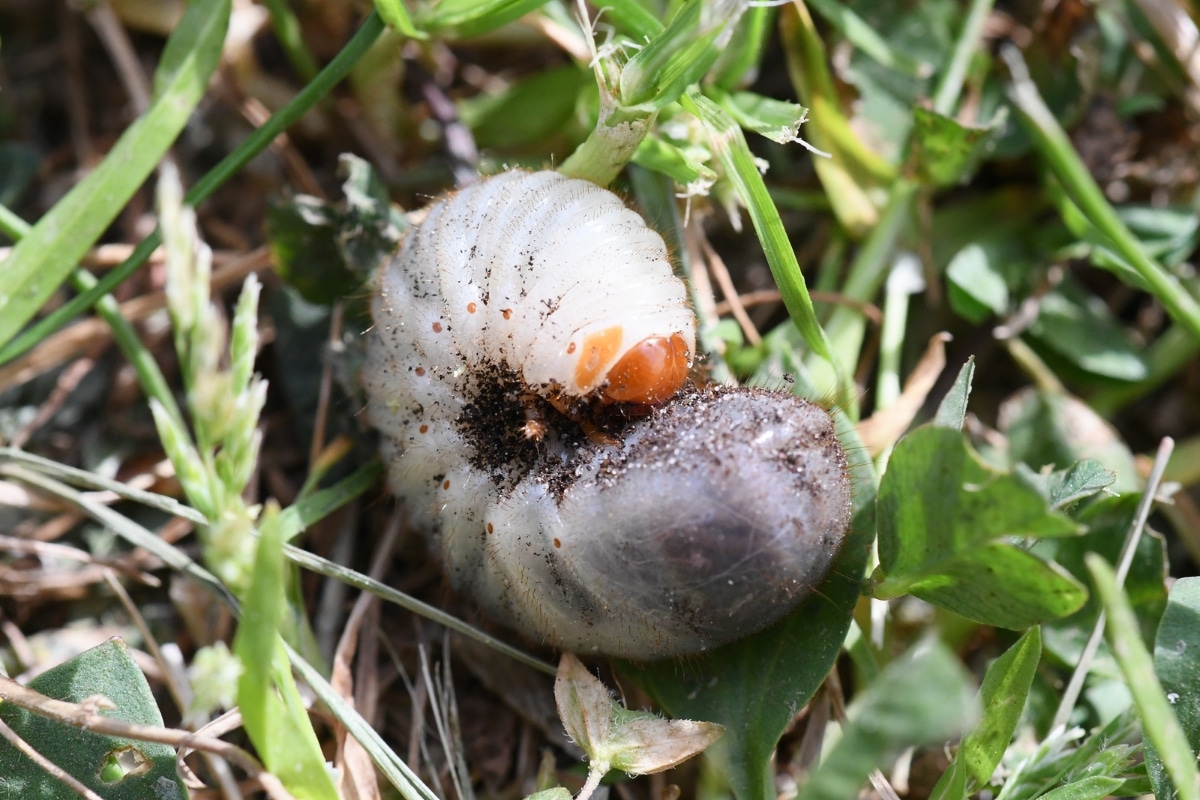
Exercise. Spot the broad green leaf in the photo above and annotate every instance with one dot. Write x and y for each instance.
(301, 233)
(1177, 663)
(1160, 725)
(272, 709)
(659, 155)
(1108, 521)
(1065, 487)
(41, 261)
(370, 226)
(977, 288)
(945, 526)
(113, 767)
(922, 698)
(1078, 327)
(944, 151)
(557, 793)
(952, 411)
(328, 251)
(755, 686)
(1049, 428)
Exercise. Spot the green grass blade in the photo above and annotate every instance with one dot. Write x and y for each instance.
(1159, 723)
(323, 566)
(41, 261)
(737, 162)
(395, 770)
(214, 179)
(124, 527)
(272, 710)
(1060, 156)
(395, 15)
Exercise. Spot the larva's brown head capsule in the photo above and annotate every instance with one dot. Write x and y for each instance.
(650, 372)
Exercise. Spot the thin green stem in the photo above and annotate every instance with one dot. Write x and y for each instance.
(950, 85)
(1060, 156)
(218, 175)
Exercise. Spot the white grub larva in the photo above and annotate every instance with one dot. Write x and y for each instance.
(525, 369)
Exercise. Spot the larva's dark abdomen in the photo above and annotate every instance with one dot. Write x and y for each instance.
(707, 519)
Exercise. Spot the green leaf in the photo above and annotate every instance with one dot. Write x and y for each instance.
(921, 698)
(1094, 788)
(945, 523)
(394, 14)
(327, 252)
(41, 261)
(531, 110)
(272, 709)
(674, 59)
(755, 686)
(633, 18)
(1160, 725)
(1177, 663)
(1050, 428)
(114, 767)
(301, 233)
(667, 158)
(459, 19)
(1002, 696)
(944, 151)
(739, 166)
(557, 793)
(776, 120)
(1079, 327)
(865, 38)
(1057, 761)
(1067, 486)
(952, 411)
(977, 287)
(1108, 521)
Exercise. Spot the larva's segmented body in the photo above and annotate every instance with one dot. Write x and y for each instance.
(529, 295)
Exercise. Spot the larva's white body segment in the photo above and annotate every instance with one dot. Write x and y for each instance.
(696, 524)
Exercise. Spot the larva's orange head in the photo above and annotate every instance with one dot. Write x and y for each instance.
(651, 372)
